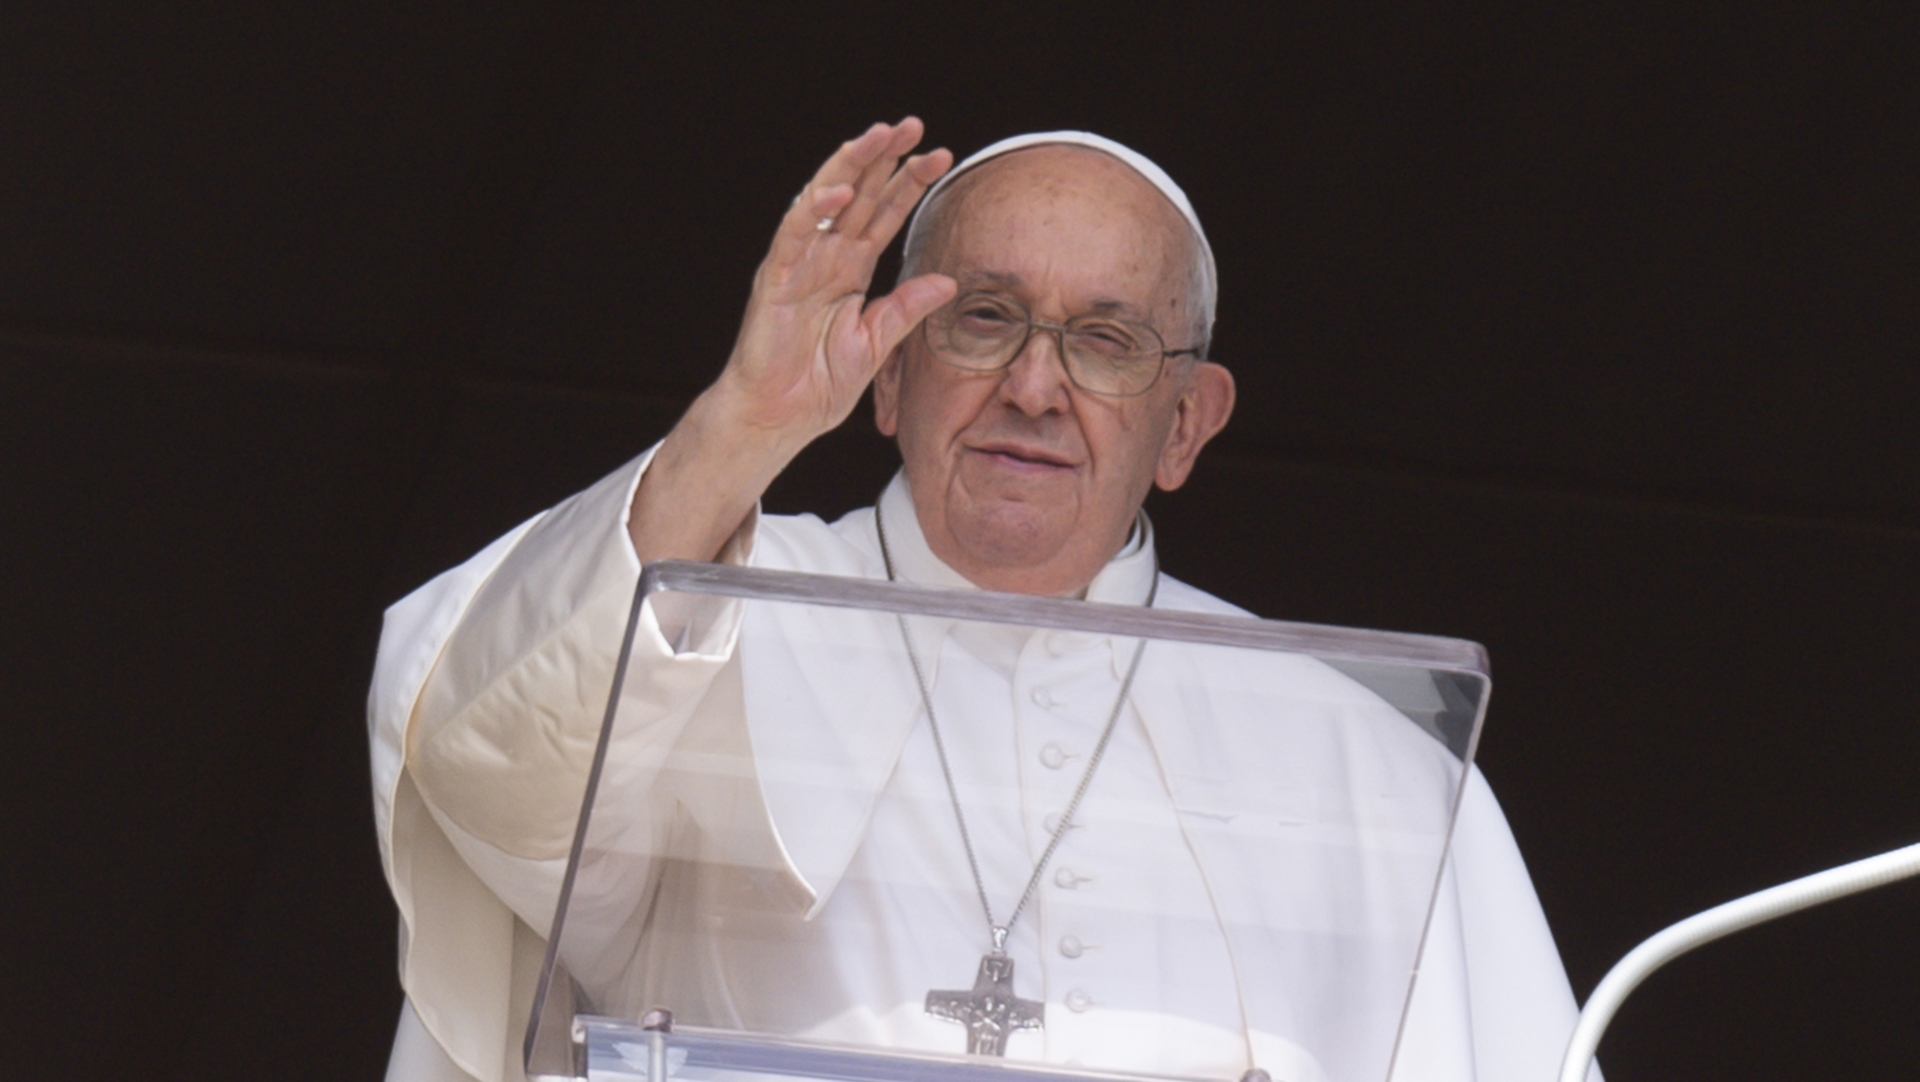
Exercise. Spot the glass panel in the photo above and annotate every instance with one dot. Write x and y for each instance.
(770, 847)
(620, 1052)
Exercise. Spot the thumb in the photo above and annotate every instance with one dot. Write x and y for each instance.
(890, 318)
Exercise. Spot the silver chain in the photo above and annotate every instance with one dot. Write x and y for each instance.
(996, 930)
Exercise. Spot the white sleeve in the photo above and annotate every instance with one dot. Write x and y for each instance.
(488, 693)
(1523, 1007)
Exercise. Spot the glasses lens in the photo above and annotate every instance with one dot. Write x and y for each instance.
(1108, 356)
(983, 331)
(978, 330)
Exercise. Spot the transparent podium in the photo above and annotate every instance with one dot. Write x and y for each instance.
(844, 829)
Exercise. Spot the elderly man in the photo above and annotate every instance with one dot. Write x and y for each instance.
(1042, 365)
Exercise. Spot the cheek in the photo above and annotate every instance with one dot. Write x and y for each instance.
(932, 412)
(1133, 437)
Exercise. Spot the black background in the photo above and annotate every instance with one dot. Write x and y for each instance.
(1591, 336)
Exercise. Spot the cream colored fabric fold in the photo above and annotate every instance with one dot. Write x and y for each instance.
(487, 699)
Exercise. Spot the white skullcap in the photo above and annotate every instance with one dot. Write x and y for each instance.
(1134, 160)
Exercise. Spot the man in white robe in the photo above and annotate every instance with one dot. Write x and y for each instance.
(487, 698)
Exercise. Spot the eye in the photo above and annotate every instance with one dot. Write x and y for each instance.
(981, 314)
(1112, 340)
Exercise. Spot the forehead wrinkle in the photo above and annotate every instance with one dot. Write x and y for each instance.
(992, 277)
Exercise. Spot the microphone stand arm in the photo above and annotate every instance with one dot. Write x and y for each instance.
(1756, 908)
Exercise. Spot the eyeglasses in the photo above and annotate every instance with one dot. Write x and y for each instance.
(984, 332)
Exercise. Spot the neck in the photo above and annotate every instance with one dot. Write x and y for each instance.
(1042, 581)
(1064, 573)
(932, 557)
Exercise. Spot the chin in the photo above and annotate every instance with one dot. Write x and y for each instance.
(1010, 535)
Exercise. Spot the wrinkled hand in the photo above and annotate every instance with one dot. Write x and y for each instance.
(810, 342)
(808, 347)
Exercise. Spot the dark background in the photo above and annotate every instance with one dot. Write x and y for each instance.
(1588, 336)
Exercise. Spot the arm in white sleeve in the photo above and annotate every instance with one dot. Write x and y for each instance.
(487, 699)
(503, 732)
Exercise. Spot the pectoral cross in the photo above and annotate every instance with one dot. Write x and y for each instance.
(990, 1011)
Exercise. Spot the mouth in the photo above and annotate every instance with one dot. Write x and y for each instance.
(1023, 457)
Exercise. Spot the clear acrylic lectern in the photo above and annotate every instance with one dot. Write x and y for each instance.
(770, 878)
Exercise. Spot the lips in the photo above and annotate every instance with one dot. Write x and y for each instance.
(1024, 456)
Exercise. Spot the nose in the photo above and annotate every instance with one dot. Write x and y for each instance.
(1036, 382)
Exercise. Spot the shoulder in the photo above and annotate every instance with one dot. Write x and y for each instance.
(1299, 678)
(1181, 597)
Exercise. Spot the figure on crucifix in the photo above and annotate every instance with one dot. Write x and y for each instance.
(990, 1011)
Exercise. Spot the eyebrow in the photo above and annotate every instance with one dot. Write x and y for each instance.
(1007, 280)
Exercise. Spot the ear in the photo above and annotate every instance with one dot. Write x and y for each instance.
(1202, 411)
(886, 394)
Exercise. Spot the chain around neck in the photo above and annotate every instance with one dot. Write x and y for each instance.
(997, 931)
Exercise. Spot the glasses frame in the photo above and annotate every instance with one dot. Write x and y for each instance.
(1059, 331)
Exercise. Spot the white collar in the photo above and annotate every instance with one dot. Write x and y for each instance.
(1126, 580)
(820, 824)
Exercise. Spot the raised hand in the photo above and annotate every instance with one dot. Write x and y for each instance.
(810, 343)
(808, 347)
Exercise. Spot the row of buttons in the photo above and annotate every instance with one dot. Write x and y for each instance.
(1077, 1000)
(1053, 757)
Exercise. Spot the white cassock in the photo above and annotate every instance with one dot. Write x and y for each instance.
(485, 709)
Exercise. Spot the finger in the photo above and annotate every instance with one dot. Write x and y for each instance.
(890, 318)
(877, 176)
(846, 164)
(822, 197)
(904, 191)
(802, 223)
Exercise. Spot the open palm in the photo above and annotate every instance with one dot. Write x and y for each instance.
(810, 343)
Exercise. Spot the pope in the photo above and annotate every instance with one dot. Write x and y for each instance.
(1024, 478)
(1042, 365)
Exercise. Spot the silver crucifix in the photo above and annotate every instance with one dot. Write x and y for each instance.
(990, 1011)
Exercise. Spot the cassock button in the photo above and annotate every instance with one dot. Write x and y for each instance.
(1078, 1001)
(1052, 823)
(1072, 947)
(1068, 879)
(1053, 757)
(1042, 698)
